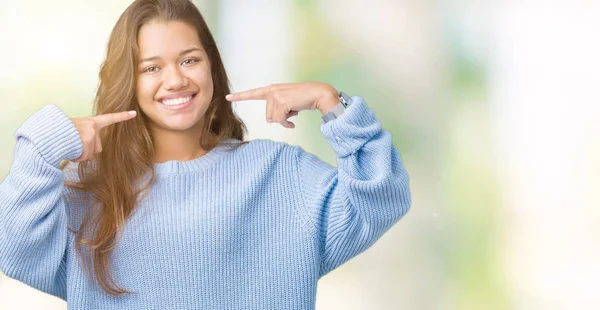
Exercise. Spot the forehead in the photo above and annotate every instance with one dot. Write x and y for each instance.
(161, 38)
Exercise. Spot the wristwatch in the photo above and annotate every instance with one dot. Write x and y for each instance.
(335, 112)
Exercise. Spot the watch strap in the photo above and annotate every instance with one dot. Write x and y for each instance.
(338, 109)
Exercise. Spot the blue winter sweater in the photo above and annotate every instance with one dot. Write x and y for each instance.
(251, 228)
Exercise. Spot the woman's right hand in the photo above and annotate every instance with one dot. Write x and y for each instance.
(89, 131)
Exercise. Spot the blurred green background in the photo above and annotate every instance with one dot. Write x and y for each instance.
(491, 104)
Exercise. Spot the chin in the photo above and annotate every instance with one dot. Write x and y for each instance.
(180, 124)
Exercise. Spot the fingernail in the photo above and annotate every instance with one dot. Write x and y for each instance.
(228, 96)
(132, 112)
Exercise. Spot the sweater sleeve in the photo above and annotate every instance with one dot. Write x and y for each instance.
(353, 205)
(33, 218)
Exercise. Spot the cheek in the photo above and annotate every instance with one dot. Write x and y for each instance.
(146, 89)
(202, 78)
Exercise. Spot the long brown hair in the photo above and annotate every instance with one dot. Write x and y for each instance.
(112, 175)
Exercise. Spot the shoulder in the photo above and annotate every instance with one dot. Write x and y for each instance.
(265, 147)
(266, 144)
(265, 150)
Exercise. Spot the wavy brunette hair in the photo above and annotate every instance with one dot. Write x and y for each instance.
(112, 175)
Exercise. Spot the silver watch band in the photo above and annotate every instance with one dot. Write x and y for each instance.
(338, 109)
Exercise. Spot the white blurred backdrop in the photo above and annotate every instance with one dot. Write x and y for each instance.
(494, 106)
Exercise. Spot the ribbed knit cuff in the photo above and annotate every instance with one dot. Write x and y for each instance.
(349, 132)
(53, 134)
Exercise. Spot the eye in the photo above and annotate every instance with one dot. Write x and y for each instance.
(189, 61)
(151, 69)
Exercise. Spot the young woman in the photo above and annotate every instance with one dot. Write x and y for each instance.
(158, 202)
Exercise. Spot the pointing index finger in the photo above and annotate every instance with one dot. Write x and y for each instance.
(112, 118)
(251, 94)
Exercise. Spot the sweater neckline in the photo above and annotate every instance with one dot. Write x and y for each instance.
(197, 164)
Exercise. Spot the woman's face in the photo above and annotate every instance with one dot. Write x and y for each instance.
(174, 87)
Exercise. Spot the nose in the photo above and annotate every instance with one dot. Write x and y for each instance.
(173, 79)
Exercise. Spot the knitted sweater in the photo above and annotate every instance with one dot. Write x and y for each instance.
(253, 227)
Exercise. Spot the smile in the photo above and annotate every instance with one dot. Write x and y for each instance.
(177, 101)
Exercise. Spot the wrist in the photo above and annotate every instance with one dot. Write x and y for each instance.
(329, 100)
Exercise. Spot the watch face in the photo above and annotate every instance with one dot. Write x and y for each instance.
(344, 99)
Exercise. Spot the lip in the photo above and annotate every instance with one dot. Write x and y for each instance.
(179, 107)
(182, 94)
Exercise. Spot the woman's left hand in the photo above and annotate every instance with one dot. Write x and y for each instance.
(286, 100)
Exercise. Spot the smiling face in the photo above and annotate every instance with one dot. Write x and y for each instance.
(174, 86)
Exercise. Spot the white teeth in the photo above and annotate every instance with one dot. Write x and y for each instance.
(176, 101)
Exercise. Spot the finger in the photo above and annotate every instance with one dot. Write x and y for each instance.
(280, 113)
(276, 112)
(282, 107)
(112, 118)
(76, 160)
(269, 108)
(292, 113)
(288, 124)
(86, 154)
(89, 154)
(260, 93)
(98, 147)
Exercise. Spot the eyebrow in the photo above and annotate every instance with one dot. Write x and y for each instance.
(193, 49)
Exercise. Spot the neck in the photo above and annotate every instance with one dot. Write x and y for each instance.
(176, 145)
